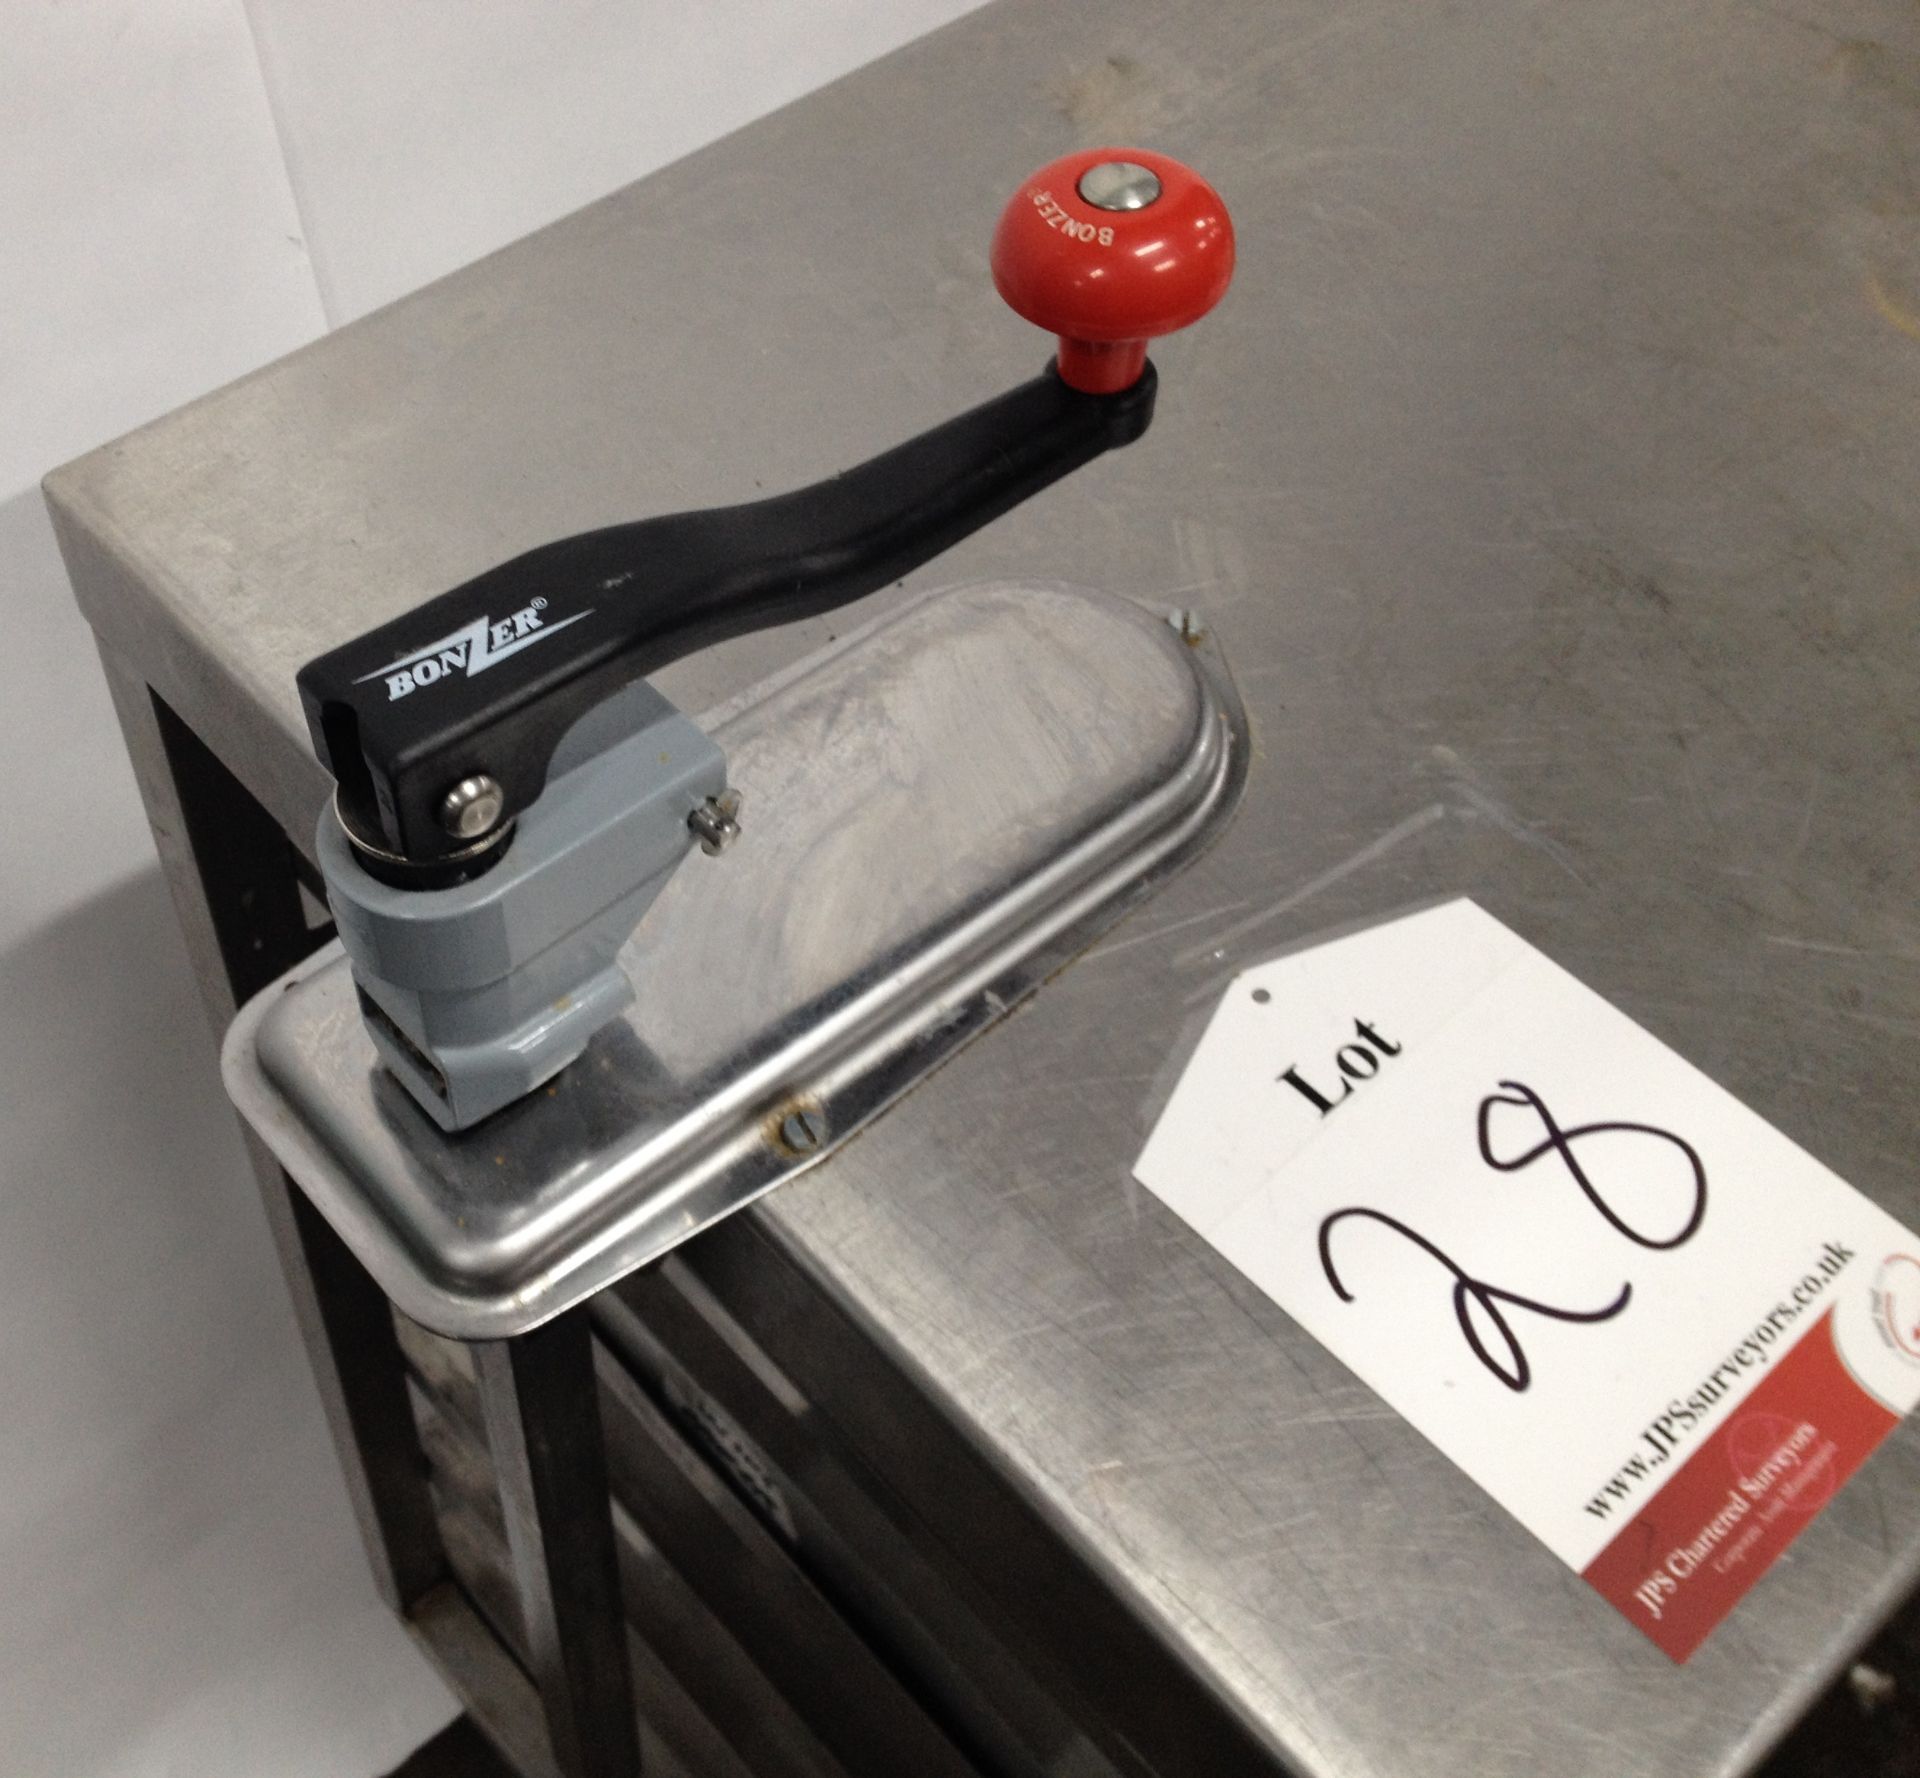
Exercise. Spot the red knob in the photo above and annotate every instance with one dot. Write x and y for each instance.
(1109, 248)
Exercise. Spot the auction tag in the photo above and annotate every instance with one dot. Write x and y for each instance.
(1655, 1330)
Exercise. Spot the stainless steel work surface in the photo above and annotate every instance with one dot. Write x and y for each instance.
(945, 808)
(1549, 481)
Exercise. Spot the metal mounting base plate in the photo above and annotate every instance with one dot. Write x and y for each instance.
(940, 811)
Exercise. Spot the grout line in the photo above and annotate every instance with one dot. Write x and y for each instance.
(322, 280)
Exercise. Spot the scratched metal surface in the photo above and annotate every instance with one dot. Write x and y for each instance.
(1550, 480)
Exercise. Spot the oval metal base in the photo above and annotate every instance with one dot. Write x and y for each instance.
(940, 812)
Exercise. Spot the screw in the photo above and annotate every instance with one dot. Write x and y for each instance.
(716, 823)
(471, 807)
(1119, 185)
(803, 1130)
(1871, 1688)
(1192, 630)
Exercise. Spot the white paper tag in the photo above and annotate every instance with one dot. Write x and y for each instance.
(1613, 1295)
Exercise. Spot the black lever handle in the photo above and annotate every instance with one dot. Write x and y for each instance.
(485, 679)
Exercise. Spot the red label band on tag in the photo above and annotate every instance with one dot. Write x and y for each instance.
(1692, 1552)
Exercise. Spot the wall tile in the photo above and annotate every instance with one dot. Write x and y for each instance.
(422, 136)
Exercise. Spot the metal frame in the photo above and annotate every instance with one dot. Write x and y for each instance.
(236, 883)
(537, 1395)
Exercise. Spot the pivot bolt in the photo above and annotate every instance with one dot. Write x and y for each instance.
(472, 807)
(1119, 185)
(716, 823)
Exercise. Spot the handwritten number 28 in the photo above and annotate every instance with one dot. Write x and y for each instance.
(1491, 1301)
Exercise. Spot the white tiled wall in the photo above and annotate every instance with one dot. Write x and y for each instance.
(423, 134)
(187, 189)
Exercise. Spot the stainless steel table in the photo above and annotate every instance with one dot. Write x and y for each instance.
(1549, 482)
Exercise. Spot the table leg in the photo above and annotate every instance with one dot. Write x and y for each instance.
(538, 1398)
(232, 876)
